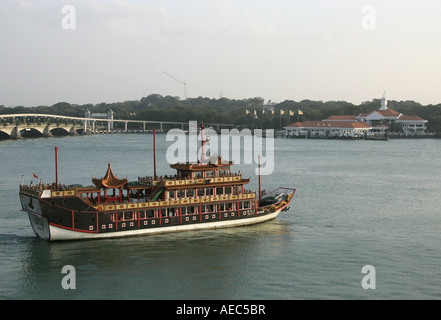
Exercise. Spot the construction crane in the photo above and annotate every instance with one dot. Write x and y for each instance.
(181, 82)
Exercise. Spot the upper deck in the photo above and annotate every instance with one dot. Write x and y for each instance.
(214, 167)
(193, 183)
(49, 190)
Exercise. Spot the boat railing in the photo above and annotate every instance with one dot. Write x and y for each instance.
(31, 190)
(48, 190)
(279, 191)
(200, 200)
(37, 189)
(174, 180)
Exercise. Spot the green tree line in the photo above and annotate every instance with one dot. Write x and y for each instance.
(251, 112)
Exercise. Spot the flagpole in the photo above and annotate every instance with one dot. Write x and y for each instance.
(299, 112)
(280, 120)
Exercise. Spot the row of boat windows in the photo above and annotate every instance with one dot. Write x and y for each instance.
(200, 192)
(173, 212)
(203, 174)
(115, 194)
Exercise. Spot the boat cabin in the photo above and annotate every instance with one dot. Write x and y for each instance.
(199, 170)
(212, 184)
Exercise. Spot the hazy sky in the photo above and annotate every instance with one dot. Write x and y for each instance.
(277, 50)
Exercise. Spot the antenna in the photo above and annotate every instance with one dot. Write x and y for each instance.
(181, 82)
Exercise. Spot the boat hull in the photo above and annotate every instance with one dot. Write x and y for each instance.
(57, 233)
(52, 232)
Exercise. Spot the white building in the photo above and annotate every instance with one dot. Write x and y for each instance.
(373, 124)
(325, 128)
(412, 125)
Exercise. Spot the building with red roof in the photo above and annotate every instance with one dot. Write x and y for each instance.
(375, 122)
(385, 117)
(328, 128)
(341, 118)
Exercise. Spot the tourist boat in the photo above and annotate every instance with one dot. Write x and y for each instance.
(203, 195)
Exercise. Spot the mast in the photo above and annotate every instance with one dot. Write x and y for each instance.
(203, 143)
(154, 153)
(260, 192)
(56, 167)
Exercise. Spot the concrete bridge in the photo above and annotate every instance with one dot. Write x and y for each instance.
(16, 126)
(16, 131)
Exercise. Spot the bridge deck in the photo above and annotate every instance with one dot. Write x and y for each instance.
(14, 128)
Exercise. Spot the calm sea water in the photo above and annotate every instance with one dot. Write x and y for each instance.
(358, 203)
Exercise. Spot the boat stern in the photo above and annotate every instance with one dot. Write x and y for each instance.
(40, 225)
(31, 205)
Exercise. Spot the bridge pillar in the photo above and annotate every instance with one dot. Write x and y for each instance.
(160, 128)
(73, 131)
(47, 131)
(15, 133)
(125, 126)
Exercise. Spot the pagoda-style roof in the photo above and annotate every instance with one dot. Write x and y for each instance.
(109, 180)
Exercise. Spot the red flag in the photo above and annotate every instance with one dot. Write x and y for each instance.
(34, 175)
